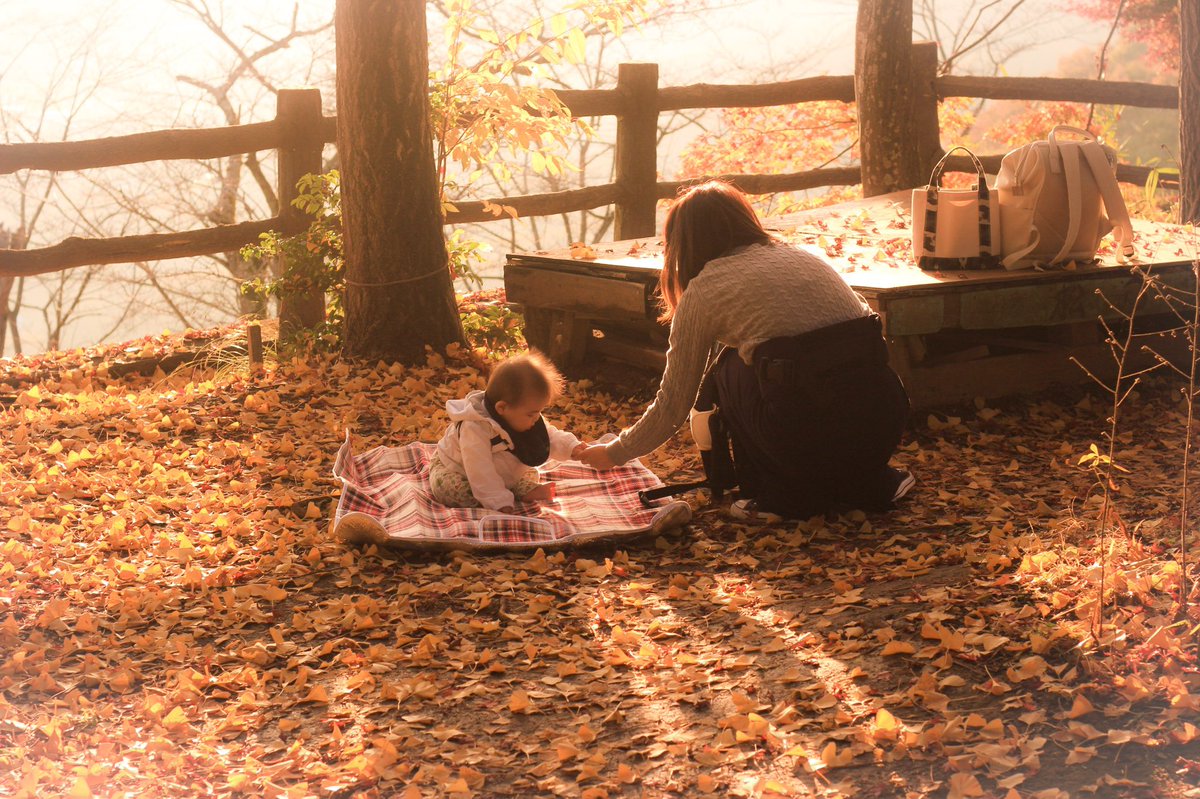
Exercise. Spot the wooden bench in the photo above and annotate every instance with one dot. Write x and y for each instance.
(952, 335)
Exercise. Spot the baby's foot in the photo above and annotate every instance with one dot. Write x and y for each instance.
(543, 493)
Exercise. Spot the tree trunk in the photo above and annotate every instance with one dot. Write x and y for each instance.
(1189, 112)
(399, 296)
(883, 91)
(14, 310)
(6, 284)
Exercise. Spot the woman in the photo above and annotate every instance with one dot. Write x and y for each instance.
(812, 407)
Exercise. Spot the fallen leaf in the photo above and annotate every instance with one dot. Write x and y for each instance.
(898, 648)
(963, 785)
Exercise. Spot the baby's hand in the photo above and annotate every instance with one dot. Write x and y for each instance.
(578, 451)
(508, 509)
(543, 493)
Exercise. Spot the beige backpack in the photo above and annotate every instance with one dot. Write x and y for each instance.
(1058, 198)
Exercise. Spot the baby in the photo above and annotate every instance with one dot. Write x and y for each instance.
(497, 438)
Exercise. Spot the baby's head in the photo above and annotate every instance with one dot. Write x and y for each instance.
(520, 388)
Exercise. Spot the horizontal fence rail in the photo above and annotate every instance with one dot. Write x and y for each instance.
(614, 102)
(1066, 90)
(300, 130)
(75, 251)
(708, 95)
(160, 145)
(558, 202)
(772, 184)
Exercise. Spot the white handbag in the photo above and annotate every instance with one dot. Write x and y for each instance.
(955, 228)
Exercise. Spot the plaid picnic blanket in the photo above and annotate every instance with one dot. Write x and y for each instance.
(386, 500)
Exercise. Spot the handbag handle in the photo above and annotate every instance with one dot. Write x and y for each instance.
(935, 178)
(929, 237)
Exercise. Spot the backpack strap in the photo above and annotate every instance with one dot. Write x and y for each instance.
(1035, 238)
(1114, 203)
(1031, 182)
(1070, 162)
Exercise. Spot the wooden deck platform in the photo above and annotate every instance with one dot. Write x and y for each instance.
(952, 335)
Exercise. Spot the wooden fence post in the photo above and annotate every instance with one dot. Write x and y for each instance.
(637, 150)
(298, 112)
(254, 346)
(926, 123)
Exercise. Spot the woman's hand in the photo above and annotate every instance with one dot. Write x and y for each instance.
(597, 457)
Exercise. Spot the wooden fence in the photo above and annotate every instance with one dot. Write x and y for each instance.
(300, 130)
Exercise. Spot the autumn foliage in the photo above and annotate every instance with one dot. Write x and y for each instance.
(792, 138)
(177, 620)
(775, 139)
(1154, 22)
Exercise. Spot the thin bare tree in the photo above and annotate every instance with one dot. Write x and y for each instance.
(986, 31)
(248, 51)
(71, 84)
(148, 198)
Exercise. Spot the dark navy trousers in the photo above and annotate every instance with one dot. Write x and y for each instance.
(814, 420)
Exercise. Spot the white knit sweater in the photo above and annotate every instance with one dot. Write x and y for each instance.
(750, 296)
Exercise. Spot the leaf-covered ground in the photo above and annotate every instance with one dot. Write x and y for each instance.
(176, 620)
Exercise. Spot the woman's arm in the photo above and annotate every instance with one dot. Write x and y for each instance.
(690, 341)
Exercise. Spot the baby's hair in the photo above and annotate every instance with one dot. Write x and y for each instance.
(521, 376)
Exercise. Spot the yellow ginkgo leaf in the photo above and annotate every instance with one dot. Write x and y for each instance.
(897, 647)
(963, 785)
(317, 694)
(175, 719)
(887, 727)
(833, 758)
(519, 702)
(1080, 707)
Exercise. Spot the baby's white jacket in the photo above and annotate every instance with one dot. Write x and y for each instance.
(490, 468)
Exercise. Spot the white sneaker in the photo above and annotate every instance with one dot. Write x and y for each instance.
(747, 510)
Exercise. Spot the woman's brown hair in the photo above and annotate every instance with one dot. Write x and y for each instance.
(705, 222)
